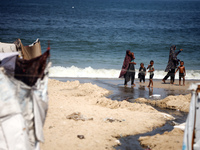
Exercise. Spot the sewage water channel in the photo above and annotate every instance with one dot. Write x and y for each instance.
(132, 143)
(119, 92)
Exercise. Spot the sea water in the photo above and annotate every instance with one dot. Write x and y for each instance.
(89, 38)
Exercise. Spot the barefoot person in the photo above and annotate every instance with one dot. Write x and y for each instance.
(151, 71)
(131, 70)
(172, 64)
(130, 74)
(142, 73)
(123, 74)
(182, 73)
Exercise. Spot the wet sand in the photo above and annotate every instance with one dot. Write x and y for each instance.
(118, 92)
(167, 141)
(100, 120)
(179, 103)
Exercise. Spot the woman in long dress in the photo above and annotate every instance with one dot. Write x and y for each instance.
(124, 73)
(172, 64)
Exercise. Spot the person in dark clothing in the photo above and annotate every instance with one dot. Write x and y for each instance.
(172, 64)
(131, 71)
(142, 73)
(125, 67)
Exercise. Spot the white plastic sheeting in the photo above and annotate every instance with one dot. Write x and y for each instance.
(191, 140)
(5, 55)
(7, 47)
(22, 113)
(9, 64)
(197, 125)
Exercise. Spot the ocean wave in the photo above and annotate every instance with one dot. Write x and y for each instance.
(89, 72)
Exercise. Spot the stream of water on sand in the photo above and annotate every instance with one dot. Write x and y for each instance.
(132, 143)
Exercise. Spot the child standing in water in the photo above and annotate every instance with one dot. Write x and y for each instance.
(182, 72)
(151, 71)
(142, 73)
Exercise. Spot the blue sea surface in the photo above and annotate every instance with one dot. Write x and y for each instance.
(97, 33)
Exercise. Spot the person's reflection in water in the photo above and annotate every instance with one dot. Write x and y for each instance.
(129, 93)
(142, 91)
(141, 87)
(150, 91)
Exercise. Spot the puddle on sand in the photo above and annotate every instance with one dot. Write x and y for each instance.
(132, 143)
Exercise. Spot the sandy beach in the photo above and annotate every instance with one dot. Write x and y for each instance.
(80, 116)
(179, 103)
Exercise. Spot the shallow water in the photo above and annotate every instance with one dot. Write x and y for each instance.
(119, 92)
(132, 143)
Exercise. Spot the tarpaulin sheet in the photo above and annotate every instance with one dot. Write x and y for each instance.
(22, 112)
(7, 47)
(31, 51)
(191, 139)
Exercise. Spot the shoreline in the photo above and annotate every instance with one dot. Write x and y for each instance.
(118, 92)
(120, 81)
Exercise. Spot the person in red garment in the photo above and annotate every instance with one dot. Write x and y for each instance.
(127, 60)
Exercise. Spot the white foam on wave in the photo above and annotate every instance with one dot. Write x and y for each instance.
(89, 72)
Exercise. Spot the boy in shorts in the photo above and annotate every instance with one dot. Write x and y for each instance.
(151, 71)
(182, 72)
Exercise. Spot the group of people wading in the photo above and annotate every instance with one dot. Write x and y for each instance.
(128, 68)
